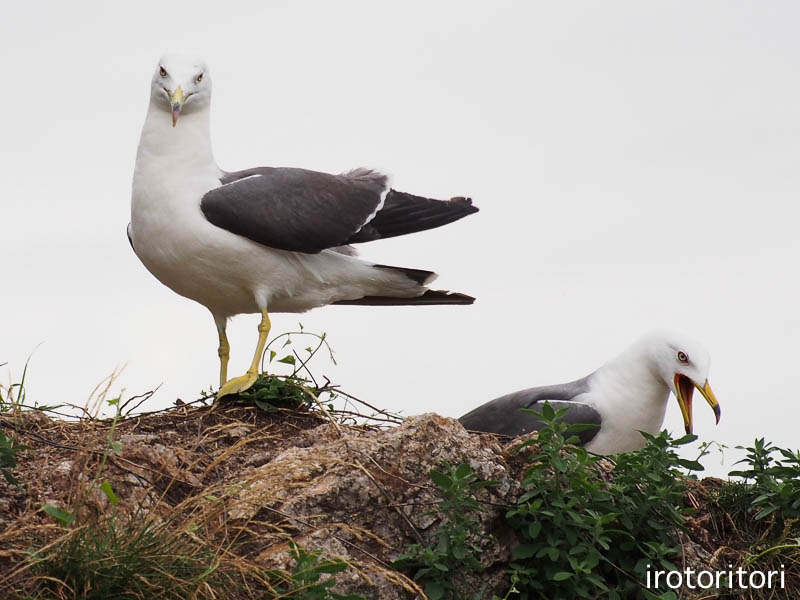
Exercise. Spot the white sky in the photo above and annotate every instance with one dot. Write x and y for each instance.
(636, 166)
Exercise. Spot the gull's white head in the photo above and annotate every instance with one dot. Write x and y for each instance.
(683, 365)
(180, 84)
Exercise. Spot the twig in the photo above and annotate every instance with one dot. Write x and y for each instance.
(144, 397)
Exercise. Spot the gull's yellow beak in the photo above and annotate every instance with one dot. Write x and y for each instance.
(684, 388)
(176, 101)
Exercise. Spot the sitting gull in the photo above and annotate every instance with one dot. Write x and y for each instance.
(266, 238)
(623, 397)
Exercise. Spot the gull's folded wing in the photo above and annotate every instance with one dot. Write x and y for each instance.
(504, 415)
(308, 211)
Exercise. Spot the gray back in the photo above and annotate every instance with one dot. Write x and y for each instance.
(504, 416)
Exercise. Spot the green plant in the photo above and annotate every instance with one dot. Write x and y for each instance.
(136, 558)
(110, 557)
(582, 535)
(9, 453)
(271, 391)
(305, 581)
(12, 396)
(775, 481)
(455, 548)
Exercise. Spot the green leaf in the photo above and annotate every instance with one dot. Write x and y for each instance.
(687, 439)
(106, 488)
(288, 360)
(265, 406)
(765, 512)
(434, 590)
(547, 412)
(62, 516)
(441, 480)
(462, 471)
(523, 551)
(331, 567)
(579, 427)
(692, 465)
(561, 576)
(483, 484)
(534, 529)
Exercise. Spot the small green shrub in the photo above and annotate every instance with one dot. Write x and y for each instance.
(439, 566)
(271, 391)
(775, 484)
(305, 581)
(582, 535)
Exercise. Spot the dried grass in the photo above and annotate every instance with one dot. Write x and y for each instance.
(180, 472)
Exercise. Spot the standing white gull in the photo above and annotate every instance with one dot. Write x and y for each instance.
(264, 239)
(623, 397)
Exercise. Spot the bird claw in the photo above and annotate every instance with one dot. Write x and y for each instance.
(237, 385)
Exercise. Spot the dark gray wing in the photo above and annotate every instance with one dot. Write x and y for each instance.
(308, 211)
(504, 415)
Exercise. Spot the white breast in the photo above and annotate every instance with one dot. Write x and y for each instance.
(629, 399)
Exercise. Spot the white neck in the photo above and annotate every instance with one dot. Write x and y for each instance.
(187, 146)
(632, 386)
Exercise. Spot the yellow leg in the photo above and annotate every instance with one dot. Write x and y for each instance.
(224, 352)
(246, 381)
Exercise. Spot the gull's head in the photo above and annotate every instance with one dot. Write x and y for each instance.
(180, 84)
(683, 364)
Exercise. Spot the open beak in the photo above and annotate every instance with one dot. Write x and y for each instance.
(684, 388)
(176, 100)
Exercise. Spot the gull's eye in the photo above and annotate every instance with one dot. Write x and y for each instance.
(199, 78)
(683, 357)
(162, 71)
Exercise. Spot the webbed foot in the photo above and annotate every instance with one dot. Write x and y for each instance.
(238, 384)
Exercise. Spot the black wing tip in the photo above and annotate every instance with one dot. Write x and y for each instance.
(403, 213)
(447, 297)
(461, 202)
(429, 298)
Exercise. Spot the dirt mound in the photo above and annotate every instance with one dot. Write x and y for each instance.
(251, 483)
(254, 480)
